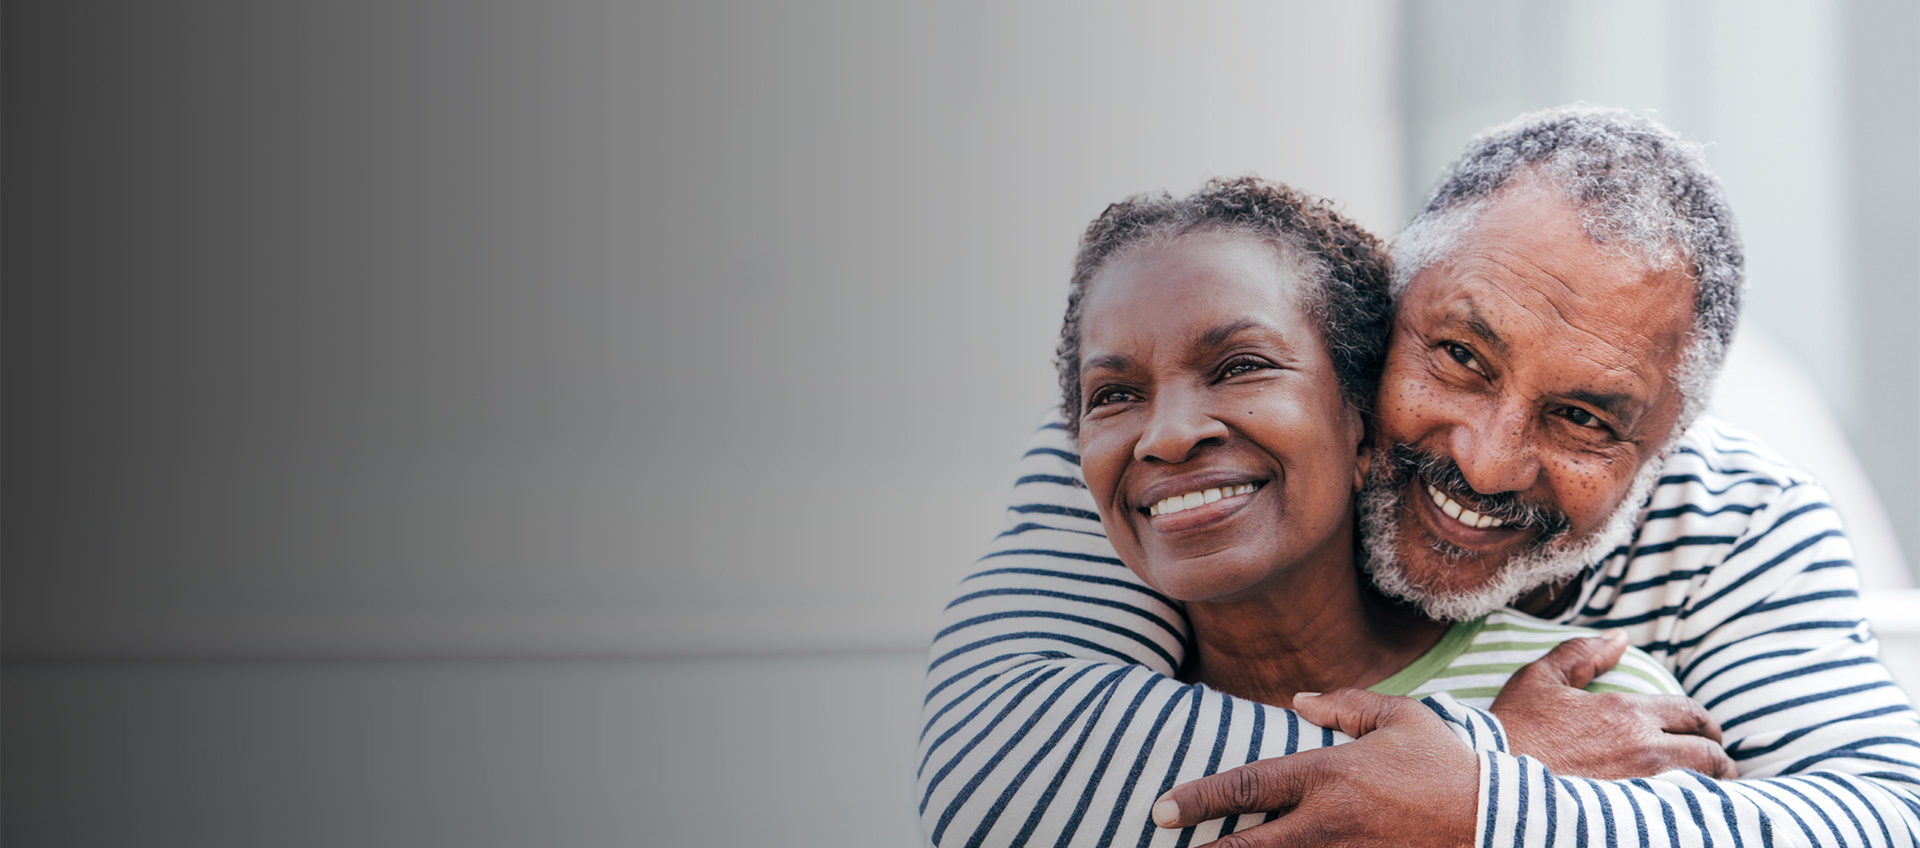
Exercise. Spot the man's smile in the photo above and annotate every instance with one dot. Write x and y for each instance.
(1453, 522)
(1454, 510)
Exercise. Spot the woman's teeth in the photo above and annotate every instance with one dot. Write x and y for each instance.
(1190, 500)
(1460, 513)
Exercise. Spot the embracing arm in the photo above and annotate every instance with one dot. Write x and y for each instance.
(1769, 635)
(1757, 613)
(1742, 582)
(1051, 714)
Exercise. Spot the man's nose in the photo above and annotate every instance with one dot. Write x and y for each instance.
(1178, 424)
(1495, 451)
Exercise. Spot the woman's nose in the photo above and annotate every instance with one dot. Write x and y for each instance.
(1177, 425)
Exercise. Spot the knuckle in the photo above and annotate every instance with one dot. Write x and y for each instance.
(1696, 722)
(1233, 840)
(1703, 723)
(1710, 758)
(1649, 761)
(1575, 648)
(1242, 789)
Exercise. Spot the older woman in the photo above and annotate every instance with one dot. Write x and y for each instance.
(1217, 363)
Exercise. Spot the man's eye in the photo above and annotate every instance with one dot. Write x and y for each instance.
(1103, 397)
(1581, 417)
(1463, 356)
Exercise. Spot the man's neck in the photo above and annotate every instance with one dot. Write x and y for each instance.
(1549, 601)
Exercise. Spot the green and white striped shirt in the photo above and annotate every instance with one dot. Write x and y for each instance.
(1475, 658)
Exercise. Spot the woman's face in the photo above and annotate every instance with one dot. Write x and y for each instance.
(1213, 433)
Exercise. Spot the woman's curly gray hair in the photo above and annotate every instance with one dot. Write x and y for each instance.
(1636, 184)
(1348, 268)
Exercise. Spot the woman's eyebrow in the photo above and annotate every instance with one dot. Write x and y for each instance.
(1108, 362)
(1224, 333)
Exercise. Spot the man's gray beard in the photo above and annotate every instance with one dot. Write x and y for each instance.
(1547, 560)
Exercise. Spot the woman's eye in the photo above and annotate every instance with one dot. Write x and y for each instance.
(1107, 396)
(1463, 356)
(1239, 367)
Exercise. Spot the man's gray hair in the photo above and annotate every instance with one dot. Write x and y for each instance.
(1636, 184)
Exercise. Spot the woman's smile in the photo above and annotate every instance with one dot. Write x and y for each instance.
(1198, 498)
(1214, 433)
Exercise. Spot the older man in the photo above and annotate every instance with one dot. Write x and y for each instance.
(1564, 301)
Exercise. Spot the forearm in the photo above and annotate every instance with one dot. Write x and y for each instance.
(1769, 637)
(1051, 665)
(1062, 751)
(1053, 747)
(1524, 804)
(1051, 707)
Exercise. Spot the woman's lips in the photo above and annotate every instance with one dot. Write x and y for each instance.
(1202, 497)
(1172, 514)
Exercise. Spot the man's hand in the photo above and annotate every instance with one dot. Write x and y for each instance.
(1405, 780)
(1550, 717)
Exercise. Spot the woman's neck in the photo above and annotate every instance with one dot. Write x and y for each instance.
(1326, 631)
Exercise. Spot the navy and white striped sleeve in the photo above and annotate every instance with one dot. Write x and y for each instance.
(1744, 585)
(1051, 715)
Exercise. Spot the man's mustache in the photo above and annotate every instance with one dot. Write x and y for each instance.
(1405, 462)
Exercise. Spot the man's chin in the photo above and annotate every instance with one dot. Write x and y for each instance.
(1451, 583)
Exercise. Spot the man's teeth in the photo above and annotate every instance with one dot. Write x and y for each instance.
(1460, 513)
(1190, 500)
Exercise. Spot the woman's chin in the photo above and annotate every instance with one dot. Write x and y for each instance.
(1191, 585)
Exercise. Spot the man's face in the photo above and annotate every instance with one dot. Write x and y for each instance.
(1527, 385)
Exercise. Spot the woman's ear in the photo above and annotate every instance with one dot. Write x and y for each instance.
(1363, 456)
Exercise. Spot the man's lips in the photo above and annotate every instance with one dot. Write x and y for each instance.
(1455, 522)
(1459, 512)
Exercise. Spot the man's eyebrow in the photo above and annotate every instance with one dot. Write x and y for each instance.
(1477, 325)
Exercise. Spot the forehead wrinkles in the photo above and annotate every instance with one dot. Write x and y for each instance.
(1610, 294)
(1556, 355)
(1562, 318)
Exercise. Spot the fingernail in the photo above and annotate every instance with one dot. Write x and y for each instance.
(1165, 813)
(1298, 695)
(1615, 635)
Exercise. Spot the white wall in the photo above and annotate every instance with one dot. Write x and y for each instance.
(490, 424)
(505, 424)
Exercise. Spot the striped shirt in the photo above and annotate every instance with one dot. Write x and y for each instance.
(1051, 716)
(1475, 658)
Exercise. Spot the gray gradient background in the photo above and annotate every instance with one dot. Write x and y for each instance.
(489, 424)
